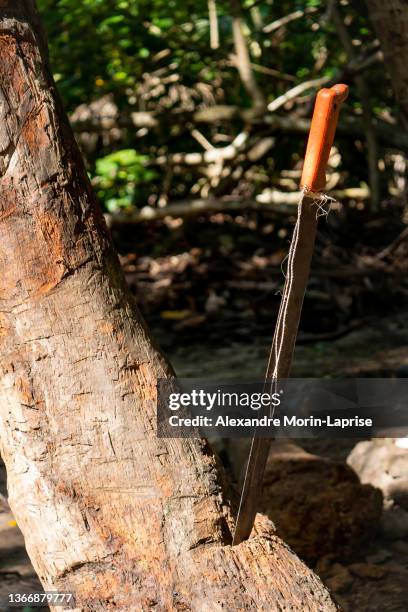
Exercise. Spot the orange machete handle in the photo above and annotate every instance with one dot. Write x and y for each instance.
(321, 136)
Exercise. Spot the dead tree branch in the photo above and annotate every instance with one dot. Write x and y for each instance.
(272, 201)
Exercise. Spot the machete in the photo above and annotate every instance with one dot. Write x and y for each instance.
(313, 182)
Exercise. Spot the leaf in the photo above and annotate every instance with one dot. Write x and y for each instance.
(175, 315)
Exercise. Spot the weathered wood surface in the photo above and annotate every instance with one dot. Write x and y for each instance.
(123, 519)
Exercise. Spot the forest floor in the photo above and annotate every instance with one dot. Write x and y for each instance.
(210, 292)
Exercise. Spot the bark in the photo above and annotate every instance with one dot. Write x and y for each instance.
(390, 20)
(121, 518)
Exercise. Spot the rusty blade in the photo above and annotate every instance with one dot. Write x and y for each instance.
(280, 361)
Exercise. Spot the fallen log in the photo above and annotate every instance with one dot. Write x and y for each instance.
(271, 201)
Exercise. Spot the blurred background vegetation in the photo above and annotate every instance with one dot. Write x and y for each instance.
(149, 83)
(193, 118)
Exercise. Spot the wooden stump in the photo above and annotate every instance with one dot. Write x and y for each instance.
(123, 519)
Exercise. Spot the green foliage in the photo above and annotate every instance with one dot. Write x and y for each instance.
(100, 46)
(120, 177)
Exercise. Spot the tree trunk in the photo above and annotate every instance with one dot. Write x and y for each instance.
(108, 511)
(390, 20)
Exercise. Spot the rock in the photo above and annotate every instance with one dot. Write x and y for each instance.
(367, 570)
(382, 464)
(318, 506)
